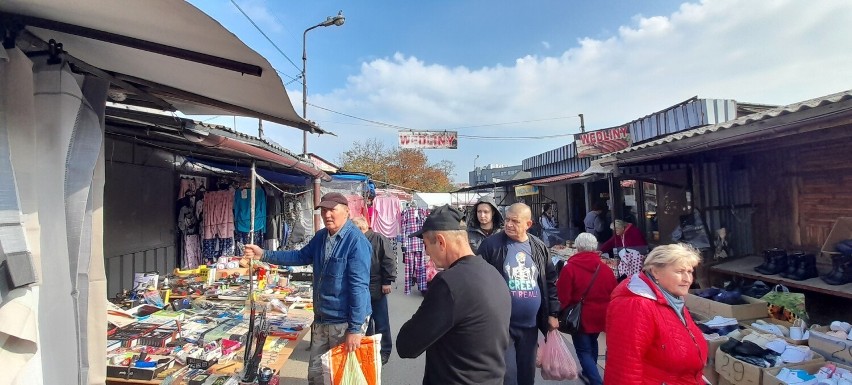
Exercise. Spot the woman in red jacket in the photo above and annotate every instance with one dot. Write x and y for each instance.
(573, 281)
(650, 336)
(627, 244)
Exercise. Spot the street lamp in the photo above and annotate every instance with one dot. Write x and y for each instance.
(329, 21)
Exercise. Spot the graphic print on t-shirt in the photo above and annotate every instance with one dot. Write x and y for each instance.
(521, 275)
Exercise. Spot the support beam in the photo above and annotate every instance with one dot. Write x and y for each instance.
(127, 41)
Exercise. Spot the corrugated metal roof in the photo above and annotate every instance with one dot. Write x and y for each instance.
(748, 119)
(557, 178)
(565, 152)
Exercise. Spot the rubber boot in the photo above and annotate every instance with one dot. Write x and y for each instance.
(794, 260)
(769, 257)
(842, 274)
(806, 268)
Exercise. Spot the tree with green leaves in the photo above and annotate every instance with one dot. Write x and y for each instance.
(400, 166)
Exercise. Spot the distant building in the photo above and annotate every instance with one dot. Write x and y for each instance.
(494, 173)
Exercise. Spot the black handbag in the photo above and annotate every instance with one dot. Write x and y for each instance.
(569, 318)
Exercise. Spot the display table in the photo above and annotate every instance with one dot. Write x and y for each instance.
(744, 267)
(277, 351)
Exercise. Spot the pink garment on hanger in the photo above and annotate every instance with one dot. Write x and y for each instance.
(386, 216)
(357, 207)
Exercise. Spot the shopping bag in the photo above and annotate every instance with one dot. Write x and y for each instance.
(784, 305)
(366, 358)
(352, 374)
(554, 358)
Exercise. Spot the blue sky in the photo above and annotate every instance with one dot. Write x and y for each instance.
(509, 69)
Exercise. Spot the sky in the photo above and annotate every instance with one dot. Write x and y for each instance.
(501, 72)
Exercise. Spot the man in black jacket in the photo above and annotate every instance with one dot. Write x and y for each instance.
(463, 322)
(527, 269)
(382, 275)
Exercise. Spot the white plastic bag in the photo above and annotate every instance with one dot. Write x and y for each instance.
(554, 359)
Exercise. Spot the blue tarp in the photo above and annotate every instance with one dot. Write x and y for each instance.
(272, 176)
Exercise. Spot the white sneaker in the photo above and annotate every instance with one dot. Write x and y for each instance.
(719, 321)
(840, 326)
(769, 328)
(796, 353)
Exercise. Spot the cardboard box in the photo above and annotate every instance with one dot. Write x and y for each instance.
(747, 325)
(769, 375)
(842, 230)
(832, 348)
(743, 373)
(754, 309)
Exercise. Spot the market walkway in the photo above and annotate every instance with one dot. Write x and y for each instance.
(398, 371)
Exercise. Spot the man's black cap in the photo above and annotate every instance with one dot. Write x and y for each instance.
(444, 218)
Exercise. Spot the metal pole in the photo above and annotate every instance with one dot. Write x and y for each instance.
(582, 123)
(305, 89)
(317, 217)
(251, 238)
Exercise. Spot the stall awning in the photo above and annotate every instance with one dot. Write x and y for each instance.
(597, 167)
(556, 179)
(188, 61)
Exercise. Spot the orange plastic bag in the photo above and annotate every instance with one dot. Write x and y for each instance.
(369, 360)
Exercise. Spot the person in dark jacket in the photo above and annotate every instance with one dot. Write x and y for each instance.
(382, 275)
(650, 335)
(528, 270)
(463, 322)
(576, 278)
(484, 221)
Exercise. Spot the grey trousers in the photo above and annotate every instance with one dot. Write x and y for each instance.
(323, 338)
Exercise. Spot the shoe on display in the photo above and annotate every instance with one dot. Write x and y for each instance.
(775, 261)
(777, 330)
(719, 321)
(839, 334)
(805, 268)
(841, 272)
(777, 345)
(796, 353)
(840, 326)
(793, 261)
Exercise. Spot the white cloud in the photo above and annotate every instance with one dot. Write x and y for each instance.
(776, 52)
(545, 44)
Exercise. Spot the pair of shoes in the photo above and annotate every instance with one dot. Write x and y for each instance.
(385, 358)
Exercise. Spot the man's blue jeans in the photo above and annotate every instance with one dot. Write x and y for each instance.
(520, 356)
(380, 323)
(586, 346)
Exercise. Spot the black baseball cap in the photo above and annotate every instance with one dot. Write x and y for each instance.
(443, 218)
(331, 200)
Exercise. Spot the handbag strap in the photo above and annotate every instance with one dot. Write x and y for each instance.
(594, 277)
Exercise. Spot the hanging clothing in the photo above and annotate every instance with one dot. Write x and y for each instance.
(242, 209)
(386, 215)
(415, 269)
(218, 214)
(244, 238)
(192, 251)
(411, 221)
(357, 206)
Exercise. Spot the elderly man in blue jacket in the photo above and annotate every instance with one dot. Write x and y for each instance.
(340, 254)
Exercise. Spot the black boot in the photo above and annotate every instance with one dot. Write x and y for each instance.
(843, 273)
(836, 260)
(768, 256)
(777, 262)
(794, 260)
(806, 268)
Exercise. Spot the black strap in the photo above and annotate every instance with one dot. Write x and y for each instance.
(594, 276)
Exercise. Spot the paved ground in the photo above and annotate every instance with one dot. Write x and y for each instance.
(398, 371)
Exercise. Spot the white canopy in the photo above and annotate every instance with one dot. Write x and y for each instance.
(167, 49)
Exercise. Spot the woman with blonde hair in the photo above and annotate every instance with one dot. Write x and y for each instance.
(650, 336)
(586, 275)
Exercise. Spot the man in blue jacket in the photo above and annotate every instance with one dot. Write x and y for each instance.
(340, 254)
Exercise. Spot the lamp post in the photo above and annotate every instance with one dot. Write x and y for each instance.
(329, 21)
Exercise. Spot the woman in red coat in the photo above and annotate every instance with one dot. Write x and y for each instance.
(650, 336)
(573, 281)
